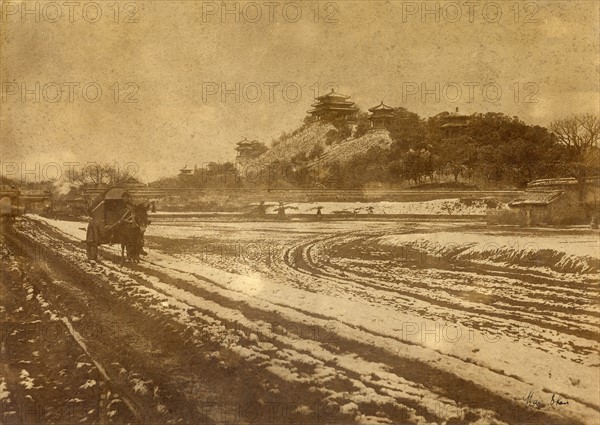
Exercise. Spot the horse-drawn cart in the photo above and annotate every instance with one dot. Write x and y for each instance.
(114, 219)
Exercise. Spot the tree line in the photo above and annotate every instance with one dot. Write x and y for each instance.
(493, 150)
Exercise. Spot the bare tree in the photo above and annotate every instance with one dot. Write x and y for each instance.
(579, 135)
(97, 175)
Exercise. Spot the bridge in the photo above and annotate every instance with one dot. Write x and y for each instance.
(314, 194)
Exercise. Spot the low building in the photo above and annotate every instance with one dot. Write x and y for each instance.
(455, 126)
(333, 106)
(35, 200)
(9, 200)
(132, 183)
(554, 202)
(543, 207)
(10, 191)
(381, 116)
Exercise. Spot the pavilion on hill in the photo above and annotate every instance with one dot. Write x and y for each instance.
(381, 116)
(332, 106)
(186, 171)
(249, 149)
(456, 125)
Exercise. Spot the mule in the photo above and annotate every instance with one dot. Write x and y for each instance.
(129, 233)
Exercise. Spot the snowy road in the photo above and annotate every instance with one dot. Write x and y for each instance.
(318, 323)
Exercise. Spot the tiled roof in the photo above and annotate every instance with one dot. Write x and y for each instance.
(333, 94)
(334, 108)
(457, 114)
(381, 107)
(540, 198)
(247, 142)
(454, 124)
(565, 181)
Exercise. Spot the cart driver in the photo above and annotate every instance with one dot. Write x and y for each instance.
(129, 210)
(128, 207)
(123, 213)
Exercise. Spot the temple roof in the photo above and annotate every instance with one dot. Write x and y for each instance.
(247, 143)
(250, 147)
(381, 107)
(454, 125)
(456, 114)
(325, 103)
(333, 108)
(333, 95)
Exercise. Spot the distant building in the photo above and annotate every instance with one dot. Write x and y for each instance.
(332, 106)
(185, 171)
(455, 125)
(248, 150)
(554, 201)
(9, 190)
(381, 116)
(35, 200)
(9, 200)
(543, 207)
(132, 183)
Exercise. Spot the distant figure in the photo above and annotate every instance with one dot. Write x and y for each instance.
(319, 214)
(262, 208)
(152, 207)
(281, 211)
(594, 222)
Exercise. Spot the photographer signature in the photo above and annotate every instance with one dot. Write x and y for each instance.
(556, 400)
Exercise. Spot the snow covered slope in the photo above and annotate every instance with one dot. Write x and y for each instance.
(346, 150)
(316, 134)
(303, 141)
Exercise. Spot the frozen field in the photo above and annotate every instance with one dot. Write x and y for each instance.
(373, 322)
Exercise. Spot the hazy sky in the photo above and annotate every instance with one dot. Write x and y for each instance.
(543, 56)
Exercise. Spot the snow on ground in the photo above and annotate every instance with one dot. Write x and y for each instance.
(344, 151)
(4, 393)
(301, 142)
(435, 207)
(74, 229)
(493, 352)
(518, 333)
(574, 252)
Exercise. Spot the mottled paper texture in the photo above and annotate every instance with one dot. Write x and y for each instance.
(299, 212)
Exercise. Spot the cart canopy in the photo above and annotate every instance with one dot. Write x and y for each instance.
(112, 194)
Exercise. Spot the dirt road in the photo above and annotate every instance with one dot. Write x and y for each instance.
(294, 323)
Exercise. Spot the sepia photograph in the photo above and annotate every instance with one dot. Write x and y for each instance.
(305, 212)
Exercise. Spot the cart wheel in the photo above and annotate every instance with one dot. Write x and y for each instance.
(91, 243)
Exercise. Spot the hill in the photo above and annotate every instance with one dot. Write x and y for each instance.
(303, 142)
(345, 150)
(300, 141)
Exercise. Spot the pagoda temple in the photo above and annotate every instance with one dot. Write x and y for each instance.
(332, 106)
(381, 116)
(455, 126)
(249, 149)
(185, 171)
